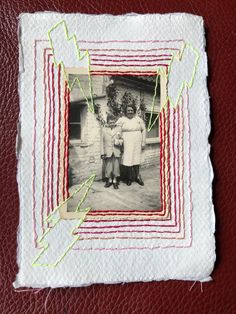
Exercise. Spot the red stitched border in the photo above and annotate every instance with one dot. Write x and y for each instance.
(122, 74)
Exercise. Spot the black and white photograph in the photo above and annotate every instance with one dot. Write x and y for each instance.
(113, 143)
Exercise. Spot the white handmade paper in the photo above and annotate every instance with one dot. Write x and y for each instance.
(50, 250)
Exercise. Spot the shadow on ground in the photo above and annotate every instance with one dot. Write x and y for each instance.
(134, 197)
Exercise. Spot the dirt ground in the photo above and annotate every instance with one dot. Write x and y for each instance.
(134, 197)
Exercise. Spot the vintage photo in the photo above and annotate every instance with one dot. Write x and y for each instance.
(113, 143)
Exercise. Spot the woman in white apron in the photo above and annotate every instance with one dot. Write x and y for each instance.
(134, 137)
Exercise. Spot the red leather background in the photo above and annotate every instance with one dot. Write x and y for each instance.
(218, 296)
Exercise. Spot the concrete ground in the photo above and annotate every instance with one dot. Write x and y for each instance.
(134, 197)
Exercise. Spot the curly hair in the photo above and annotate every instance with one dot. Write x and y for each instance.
(132, 106)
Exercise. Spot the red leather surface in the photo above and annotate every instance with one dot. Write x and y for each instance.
(218, 296)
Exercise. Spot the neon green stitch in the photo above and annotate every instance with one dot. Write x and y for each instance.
(83, 199)
(50, 218)
(184, 84)
(80, 58)
(45, 245)
(150, 124)
(91, 178)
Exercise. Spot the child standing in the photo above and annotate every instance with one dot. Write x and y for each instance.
(111, 142)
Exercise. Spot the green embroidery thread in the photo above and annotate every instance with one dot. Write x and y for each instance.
(88, 183)
(184, 84)
(86, 55)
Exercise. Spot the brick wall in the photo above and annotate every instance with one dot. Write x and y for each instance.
(152, 155)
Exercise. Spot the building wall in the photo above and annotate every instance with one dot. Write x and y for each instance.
(152, 155)
(84, 156)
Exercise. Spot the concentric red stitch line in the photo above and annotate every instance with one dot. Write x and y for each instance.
(126, 220)
(125, 226)
(49, 137)
(34, 145)
(178, 167)
(133, 247)
(136, 50)
(164, 160)
(129, 41)
(182, 159)
(179, 154)
(174, 157)
(129, 65)
(44, 136)
(131, 50)
(59, 131)
(65, 142)
(168, 137)
(189, 164)
(83, 232)
(126, 238)
(161, 166)
(122, 73)
(133, 60)
(53, 140)
(177, 161)
(168, 157)
(123, 213)
(126, 56)
(123, 231)
(126, 211)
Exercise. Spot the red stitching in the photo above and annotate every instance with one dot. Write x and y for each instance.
(128, 65)
(129, 41)
(49, 138)
(44, 137)
(65, 127)
(188, 133)
(127, 56)
(59, 131)
(53, 140)
(34, 145)
(67, 143)
(126, 220)
(137, 50)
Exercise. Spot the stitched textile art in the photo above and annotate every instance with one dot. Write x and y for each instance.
(114, 172)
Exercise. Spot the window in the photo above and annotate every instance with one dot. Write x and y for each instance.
(75, 121)
(154, 132)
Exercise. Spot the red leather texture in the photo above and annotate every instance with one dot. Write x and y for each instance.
(218, 296)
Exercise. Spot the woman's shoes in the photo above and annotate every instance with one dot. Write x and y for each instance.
(129, 182)
(140, 181)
